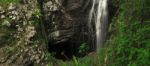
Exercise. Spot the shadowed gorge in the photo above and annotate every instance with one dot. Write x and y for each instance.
(71, 23)
(66, 25)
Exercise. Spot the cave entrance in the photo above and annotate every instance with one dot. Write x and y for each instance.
(63, 51)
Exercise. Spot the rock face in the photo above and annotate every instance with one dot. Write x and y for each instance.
(65, 27)
(66, 23)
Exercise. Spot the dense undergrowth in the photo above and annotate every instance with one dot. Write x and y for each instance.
(129, 44)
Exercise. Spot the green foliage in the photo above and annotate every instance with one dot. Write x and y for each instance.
(83, 48)
(37, 13)
(130, 43)
(85, 61)
(89, 61)
(6, 32)
(49, 57)
(8, 50)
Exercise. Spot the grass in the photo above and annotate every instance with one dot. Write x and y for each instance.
(6, 2)
(92, 59)
(85, 61)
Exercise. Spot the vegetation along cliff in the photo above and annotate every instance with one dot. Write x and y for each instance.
(74, 32)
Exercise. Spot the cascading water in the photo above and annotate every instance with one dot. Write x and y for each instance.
(99, 15)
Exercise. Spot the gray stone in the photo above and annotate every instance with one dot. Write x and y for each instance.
(11, 6)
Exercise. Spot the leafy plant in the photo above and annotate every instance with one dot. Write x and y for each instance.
(83, 48)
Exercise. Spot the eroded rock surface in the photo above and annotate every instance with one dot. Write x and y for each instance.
(66, 23)
(20, 43)
(65, 18)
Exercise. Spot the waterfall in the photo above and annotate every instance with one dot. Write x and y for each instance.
(99, 15)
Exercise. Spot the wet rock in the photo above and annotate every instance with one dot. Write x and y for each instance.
(60, 36)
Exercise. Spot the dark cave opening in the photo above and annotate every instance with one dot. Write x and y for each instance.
(63, 51)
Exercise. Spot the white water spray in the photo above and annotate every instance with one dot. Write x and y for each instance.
(100, 14)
